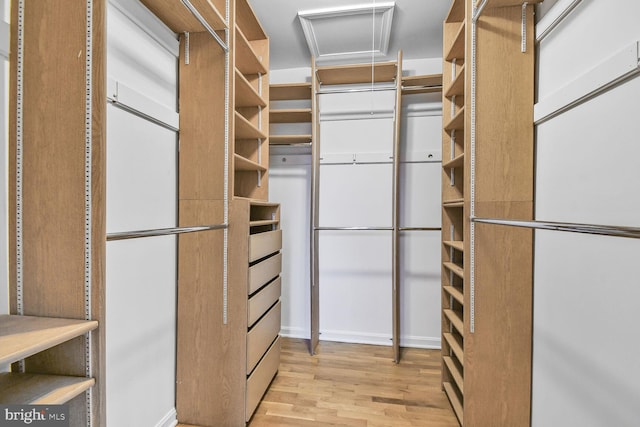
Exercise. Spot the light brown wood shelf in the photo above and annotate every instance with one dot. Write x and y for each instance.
(454, 203)
(289, 91)
(505, 3)
(246, 95)
(290, 115)
(357, 73)
(246, 130)
(180, 19)
(24, 336)
(456, 122)
(40, 389)
(289, 139)
(455, 293)
(247, 61)
(455, 401)
(456, 346)
(456, 12)
(247, 21)
(456, 162)
(431, 83)
(455, 372)
(455, 268)
(244, 164)
(455, 244)
(456, 88)
(455, 318)
(260, 223)
(456, 51)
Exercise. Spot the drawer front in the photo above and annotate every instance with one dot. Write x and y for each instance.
(261, 378)
(260, 302)
(262, 335)
(263, 272)
(263, 244)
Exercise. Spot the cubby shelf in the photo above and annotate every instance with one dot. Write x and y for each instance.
(354, 74)
(456, 122)
(456, 319)
(455, 293)
(455, 372)
(455, 244)
(289, 139)
(456, 346)
(246, 95)
(290, 91)
(244, 164)
(455, 401)
(246, 130)
(456, 51)
(455, 268)
(456, 88)
(290, 115)
(41, 389)
(247, 61)
(454, 203)
(263, 222)
(456, 162)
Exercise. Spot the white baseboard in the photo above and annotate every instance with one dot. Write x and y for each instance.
(169, 420)
(432, 343)
(294, 332)
(356, 337)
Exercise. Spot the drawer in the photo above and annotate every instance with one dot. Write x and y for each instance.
(259, 381)
(260, 302)
(262, 335)
(262, 272)
(263, 244)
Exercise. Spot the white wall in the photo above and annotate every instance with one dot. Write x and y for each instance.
(586, 355)
(355, 267)
(141, 194)
(4, 152)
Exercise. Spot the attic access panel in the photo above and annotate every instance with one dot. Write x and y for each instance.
(348, 32)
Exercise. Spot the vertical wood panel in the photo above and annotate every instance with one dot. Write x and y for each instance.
(315, 199)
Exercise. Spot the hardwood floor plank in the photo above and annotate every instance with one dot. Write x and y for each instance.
(355, 385)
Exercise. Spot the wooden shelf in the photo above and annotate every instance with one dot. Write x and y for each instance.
(289, 139)
(456, 346)
(180, 19)
(456, 162)
(456, 122)
(431, 83)
(289, 91)
(455, 319)
(247, 61)
(39, 389)
(246, 95)
(455, 203)
(455, 372)
(295, 115)
(456, 88)
(505, 3)
(455, 401)
(455, 293)
(356, 73)
(456, 12)
(246, 130)
(457, 47)
(455, 268)
(455, 244)
(244, 164)
(263, 222)
(247, 21)
(24, 336)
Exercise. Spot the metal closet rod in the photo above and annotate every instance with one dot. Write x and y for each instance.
(140, 114)
(353, 228)
(419, 229)
(355, 90)
(205, 24)
(602, 230)
(163, 232)
(421, 87)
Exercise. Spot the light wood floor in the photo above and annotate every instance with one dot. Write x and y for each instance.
(355, 385)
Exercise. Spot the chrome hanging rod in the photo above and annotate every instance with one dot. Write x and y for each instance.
(478, 11)
(353, 228)
(422, 87)
(140, 114)
(205, 24)
(355, 90)
(419, 229)
(163, 232)
(603, 230)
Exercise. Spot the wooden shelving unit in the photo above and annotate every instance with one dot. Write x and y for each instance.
(247, 165)
(358, 73)
(297, 115)
(247, 130)
(287, 93)
(41, 389)
(290, 139)
(431, 83)
(503, 182)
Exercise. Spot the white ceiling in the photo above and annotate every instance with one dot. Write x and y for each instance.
(416, 28)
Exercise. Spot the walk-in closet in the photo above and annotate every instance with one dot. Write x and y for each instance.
(265, 213)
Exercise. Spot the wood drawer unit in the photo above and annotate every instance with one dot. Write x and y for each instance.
(259, 380)
(262, 272)
(264, 244)
(261, 301)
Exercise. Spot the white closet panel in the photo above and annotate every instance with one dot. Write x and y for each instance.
(357, 136)
(355, 286)
(140, 331)
(420, 195)
(587, 169)
(142, 160)
(586, 355)
(289, 185)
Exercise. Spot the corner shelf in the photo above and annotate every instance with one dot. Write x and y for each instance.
(41, 389)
